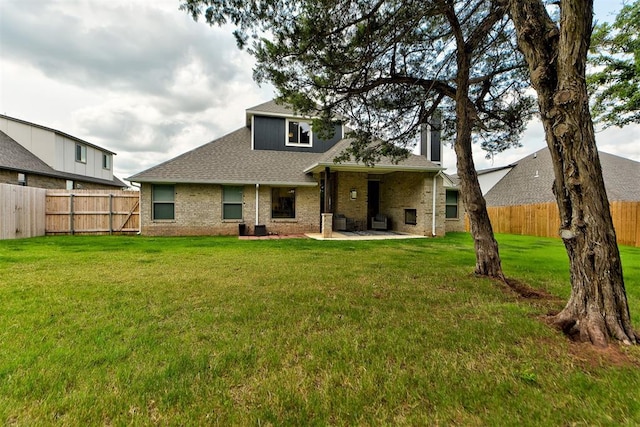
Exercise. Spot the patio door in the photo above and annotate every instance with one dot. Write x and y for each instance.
(373, 200)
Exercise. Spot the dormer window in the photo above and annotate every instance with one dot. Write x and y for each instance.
(299, 134)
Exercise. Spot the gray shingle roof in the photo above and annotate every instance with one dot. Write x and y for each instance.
(271, 107)
(14, 156)
(413, 162)
(531, 179)
(230, 160)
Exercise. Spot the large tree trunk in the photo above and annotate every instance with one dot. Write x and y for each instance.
(597, 310)
(486, 247)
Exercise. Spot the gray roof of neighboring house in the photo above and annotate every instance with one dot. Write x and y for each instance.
(14, 156)
(531, 179)
(230, 160)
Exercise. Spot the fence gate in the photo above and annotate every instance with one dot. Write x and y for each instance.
(92, 212)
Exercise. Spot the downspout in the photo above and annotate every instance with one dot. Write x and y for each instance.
(257, 205)
(433, 211)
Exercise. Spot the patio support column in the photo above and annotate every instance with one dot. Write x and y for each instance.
(327, 190)
(327, 216)
(327, 225)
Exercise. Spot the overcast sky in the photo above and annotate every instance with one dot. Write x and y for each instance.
(142, 79)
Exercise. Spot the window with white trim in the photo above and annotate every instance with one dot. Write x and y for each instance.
(451, 204)
(231, 202)
(299, 133)
(106, 161)
(163, 201)
(81, 153)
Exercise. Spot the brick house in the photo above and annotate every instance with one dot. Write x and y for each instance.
(274, 175)
(37, 156)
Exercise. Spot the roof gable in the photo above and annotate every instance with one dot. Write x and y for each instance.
(13, 156)
(16, 157)
(530, 180)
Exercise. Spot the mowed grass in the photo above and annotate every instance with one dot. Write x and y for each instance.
(192, 331)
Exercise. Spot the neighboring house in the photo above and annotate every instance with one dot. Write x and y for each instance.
(529, 181)
(487, 178)
(38, 156)
(275, 175)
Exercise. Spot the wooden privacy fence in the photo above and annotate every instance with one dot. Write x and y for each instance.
(543, 220)
(92, 212)
(21, 211)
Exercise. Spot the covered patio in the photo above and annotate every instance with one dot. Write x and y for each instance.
(365, 235)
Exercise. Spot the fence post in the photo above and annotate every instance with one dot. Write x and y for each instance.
(110, 214)
(71, 225)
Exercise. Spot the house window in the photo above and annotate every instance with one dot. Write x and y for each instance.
(69, 185)
(299, 133)
(106, 161)
(22, 179)
(451, 204)
(410, 216)
(81, 153)
(163, 201)
(283, 203)
(231, 202)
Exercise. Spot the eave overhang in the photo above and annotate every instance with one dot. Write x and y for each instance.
(224, 182)
(376, 169)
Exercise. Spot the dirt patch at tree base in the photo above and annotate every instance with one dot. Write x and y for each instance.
(527, 292)
(589, 356)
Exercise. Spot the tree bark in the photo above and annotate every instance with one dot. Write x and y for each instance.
(597, 310)
(486, 247)
(488, 261)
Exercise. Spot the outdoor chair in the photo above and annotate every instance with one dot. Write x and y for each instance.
(340, 222)
(379, 222)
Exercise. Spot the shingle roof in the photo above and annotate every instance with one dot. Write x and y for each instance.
(230, 160)
(413, 162)
(14, 156)
(531, 179)
(271, 107)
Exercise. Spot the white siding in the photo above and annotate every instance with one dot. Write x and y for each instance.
(39, 141)
(488, 180)
(56, 150)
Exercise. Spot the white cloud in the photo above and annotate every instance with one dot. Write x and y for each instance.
(141, 78)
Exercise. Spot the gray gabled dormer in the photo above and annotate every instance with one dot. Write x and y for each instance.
(276, 127)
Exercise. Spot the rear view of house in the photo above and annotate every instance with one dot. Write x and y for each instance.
(275, 175)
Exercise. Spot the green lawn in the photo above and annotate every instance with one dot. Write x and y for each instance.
(191, 331)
